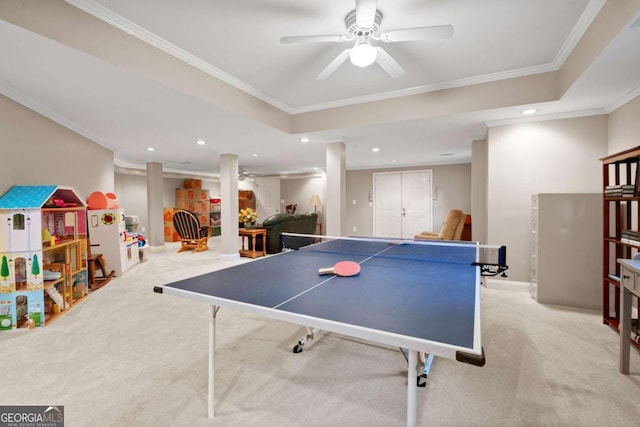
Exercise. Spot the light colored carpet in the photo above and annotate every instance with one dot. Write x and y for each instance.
(129, 357)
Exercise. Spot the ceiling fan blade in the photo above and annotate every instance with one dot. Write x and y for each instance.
(389, 64)
(334, 65)
(437, 32)
(313, 39)
(365, 13)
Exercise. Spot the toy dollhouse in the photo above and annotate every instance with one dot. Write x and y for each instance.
(42, 254)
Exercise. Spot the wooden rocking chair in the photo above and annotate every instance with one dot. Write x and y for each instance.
(192, 234)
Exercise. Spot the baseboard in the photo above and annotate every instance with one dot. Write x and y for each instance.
(509, 285)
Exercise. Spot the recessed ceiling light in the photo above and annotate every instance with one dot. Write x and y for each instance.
(200, 142)
(375, 150)
(393, 161)
(255, 154)
(529, 111)
(151, 149)
(304, 139)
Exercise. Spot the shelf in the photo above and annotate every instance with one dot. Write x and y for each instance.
(631, 155)
(68, 209)
(81, 270)
(615, 325)
(70, 264)
(50, 317)
(621, 199)
(77, 301)
(61, 244)
(619, 213)
(51, 283)
(613, 281)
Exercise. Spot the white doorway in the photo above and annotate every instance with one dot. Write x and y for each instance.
(402, 203)
(267, 197)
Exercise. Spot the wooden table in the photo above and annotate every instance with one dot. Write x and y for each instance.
(629, 287)
(252, 233)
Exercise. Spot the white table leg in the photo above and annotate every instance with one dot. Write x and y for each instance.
(212, 360)
(412, 374)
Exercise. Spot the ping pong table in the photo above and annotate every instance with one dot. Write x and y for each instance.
(421, 296)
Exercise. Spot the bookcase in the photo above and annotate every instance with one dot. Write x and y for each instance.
(621, 223)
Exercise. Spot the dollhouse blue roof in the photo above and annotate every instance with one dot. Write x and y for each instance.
(35, 196)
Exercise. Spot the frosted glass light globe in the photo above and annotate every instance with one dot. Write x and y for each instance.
(363, 54)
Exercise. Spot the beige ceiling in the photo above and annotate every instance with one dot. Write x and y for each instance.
(130, 74)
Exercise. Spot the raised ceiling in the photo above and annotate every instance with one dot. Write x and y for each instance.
(134, 74)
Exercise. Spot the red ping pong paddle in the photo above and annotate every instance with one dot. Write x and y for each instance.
(342, 268)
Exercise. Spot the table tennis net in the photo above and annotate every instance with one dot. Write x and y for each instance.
(491, 259)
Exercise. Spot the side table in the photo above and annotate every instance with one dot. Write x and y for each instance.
(629, 287)
(252, 233)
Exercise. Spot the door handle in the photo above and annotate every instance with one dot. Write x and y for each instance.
(404, 212)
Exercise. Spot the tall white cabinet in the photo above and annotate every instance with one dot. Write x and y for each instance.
(566, 249)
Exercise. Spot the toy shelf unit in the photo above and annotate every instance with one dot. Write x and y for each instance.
(42, 254)
(65, 266)
(109, 237)
(621, 225)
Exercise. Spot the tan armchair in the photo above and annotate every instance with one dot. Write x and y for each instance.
(451, 228)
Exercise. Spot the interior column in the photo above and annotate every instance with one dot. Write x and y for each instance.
(336, 191)
(229, 206)
(479, 168)
(155, 220)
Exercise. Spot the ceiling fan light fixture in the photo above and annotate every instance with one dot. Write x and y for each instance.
(363, 54)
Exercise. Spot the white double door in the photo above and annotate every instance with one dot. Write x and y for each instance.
(401, 203)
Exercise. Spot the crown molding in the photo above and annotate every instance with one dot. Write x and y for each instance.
(569, 114)
(451, 84)
(140, 170)
(95, 9)
(623, 100)
(547, 117)
(106, 15)
(34, 105)
(585, 20)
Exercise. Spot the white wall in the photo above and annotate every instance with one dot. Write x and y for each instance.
(624, 127)
(132, 194)
(38, 151)
(559, 156)
(298, 191)
(453, 183)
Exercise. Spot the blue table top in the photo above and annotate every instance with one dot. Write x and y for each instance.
(419, 291)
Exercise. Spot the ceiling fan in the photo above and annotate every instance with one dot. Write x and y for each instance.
(243, 174)
(363, 25)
